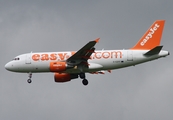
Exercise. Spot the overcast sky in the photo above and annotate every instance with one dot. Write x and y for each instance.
(143, 92)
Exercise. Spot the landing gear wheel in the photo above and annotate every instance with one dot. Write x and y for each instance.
(85, 82)
(29, 80)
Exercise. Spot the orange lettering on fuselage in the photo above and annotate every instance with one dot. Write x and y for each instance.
(44, 57)
(65, 56)
(116, 54)
(62, 56)
(97, 55)
(36, 57)
(107, 55)
(53, 56)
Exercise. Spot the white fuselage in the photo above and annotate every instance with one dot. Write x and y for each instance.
(99, 60)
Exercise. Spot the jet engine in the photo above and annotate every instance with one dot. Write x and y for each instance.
(64, 77)
(58, 66)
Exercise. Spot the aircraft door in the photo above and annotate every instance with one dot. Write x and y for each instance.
(129, 55)
(28, 58)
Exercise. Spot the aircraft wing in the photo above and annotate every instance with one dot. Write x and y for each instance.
(83, 54)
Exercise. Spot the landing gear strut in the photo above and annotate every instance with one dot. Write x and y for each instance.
(30, 76)
(84, 81)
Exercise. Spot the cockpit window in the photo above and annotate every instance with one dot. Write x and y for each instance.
(16, 59)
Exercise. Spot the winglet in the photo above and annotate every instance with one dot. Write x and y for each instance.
(97, 40)
(152, 37)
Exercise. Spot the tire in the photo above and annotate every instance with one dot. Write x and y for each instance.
(85, 82)
(29, 80)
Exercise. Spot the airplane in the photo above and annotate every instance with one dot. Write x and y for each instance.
(72, 65)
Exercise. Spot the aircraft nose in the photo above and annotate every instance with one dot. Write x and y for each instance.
(8, 66)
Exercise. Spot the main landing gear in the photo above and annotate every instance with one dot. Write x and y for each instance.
(29, 79)
(84, 81)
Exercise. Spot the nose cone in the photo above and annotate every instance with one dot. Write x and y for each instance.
(9, 66)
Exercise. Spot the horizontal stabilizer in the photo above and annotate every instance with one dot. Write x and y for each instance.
(154, 51)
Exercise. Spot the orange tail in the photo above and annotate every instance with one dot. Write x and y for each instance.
(152, 37)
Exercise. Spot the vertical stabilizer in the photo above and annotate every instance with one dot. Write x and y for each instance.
(152, 37)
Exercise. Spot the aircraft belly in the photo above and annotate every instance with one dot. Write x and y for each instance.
(40, 67)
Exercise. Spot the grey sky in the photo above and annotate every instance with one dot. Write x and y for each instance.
(141, 92)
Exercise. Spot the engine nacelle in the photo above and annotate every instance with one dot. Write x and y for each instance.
(58, 66)
(64, 77)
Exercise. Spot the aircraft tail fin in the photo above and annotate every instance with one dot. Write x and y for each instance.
(152, 37)
(154, 51)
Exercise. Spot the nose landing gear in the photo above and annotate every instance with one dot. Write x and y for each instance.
(29, 80)
(30, 76)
